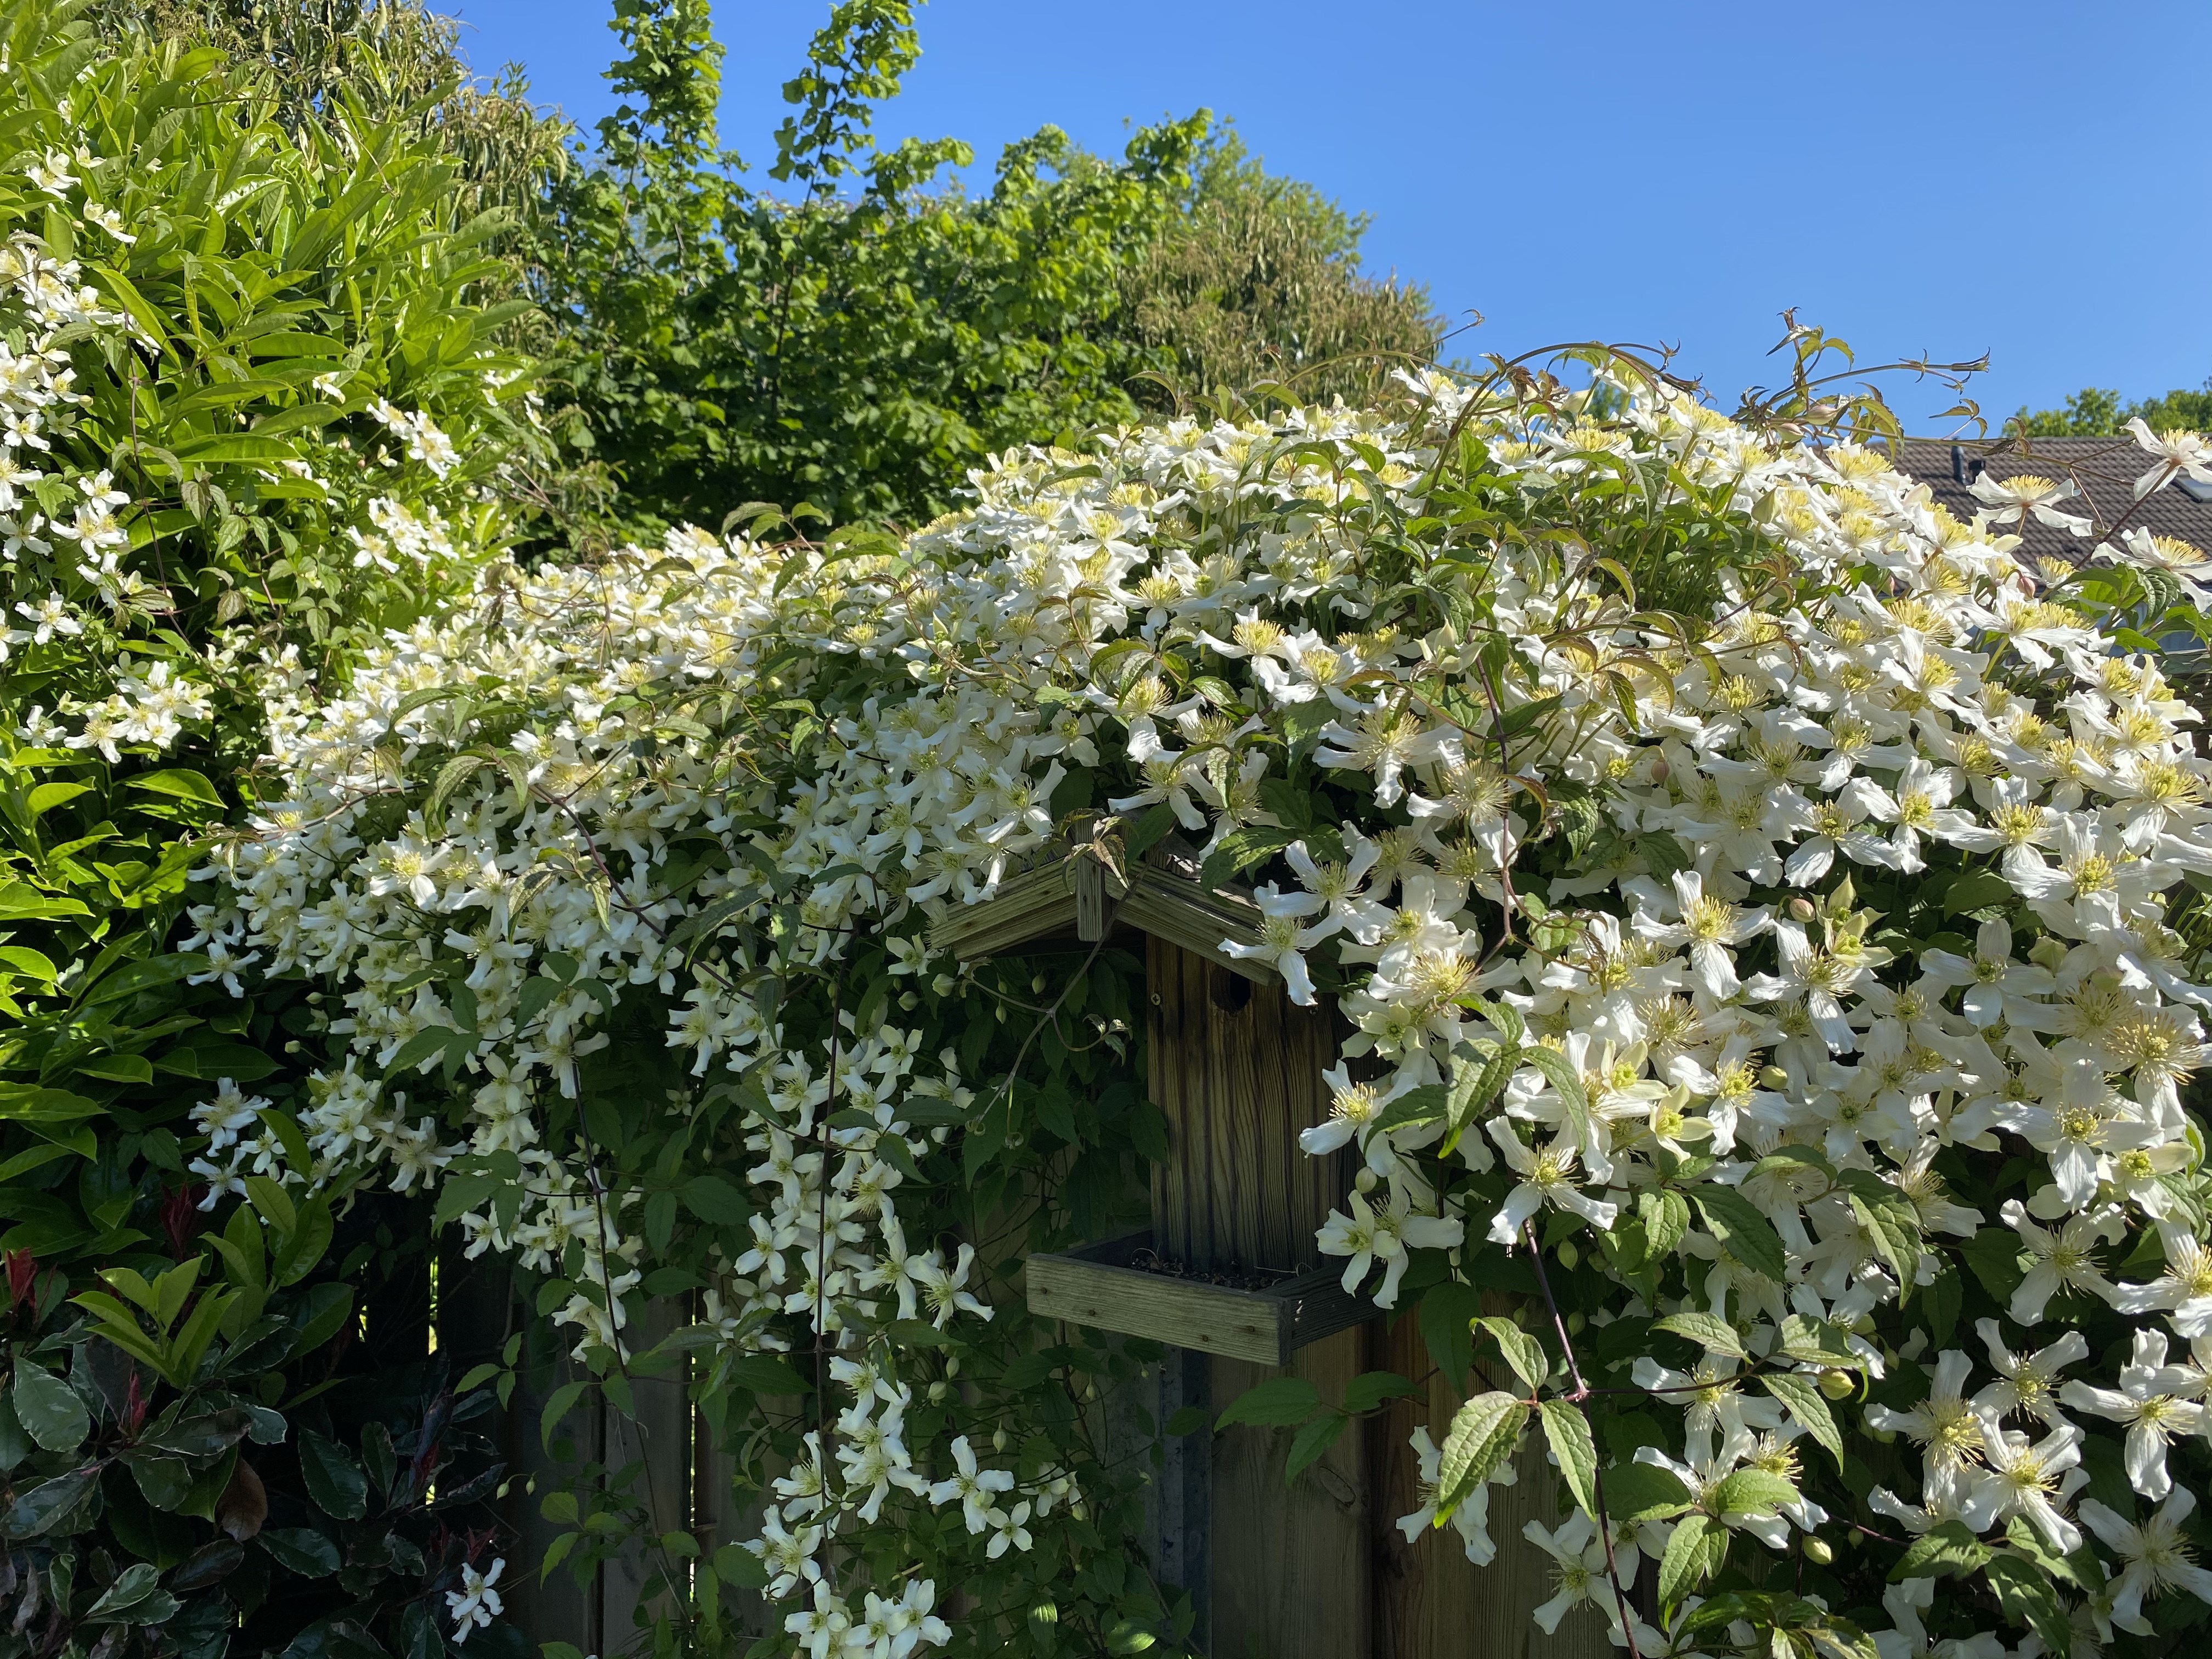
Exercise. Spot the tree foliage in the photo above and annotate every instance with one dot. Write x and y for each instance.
(1257, 280)
(860, 351)
(255, 415)
(2099, 412)
(862, 339)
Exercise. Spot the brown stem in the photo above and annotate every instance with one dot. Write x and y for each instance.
(1581, 1392)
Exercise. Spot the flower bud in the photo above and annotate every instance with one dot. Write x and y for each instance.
(2047, 952)
(1661, 770)
(1364, 1181)
(1569, 1255)
(999, 1438)
(1817, 1551)
(937, 1393)
(1801, 909)
(1837, 1385)
(1773, 1076)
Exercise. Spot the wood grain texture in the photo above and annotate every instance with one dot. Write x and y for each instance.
(1211, 1318)
(1430, 1602)
(660, 1434)
(722, 1513)
(1169, 1023)
(1237, 1069)
(1075, 895)
(1291, 1570)
(1097, 1286)
(558, 1609)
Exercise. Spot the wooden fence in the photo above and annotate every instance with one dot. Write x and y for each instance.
(1316, 1569)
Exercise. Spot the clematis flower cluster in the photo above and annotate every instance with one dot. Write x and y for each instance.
(1693, 1056)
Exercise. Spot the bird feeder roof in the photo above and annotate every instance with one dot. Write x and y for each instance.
(1070, 897)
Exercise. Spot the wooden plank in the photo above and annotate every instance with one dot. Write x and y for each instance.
(1183, 1505)
(1232, 1122)
(1216, 1319)
(720, 1515)
(1165, 1022)
(1430, 1602)
(559, 1609)
(1095, 1286)
(1073, 895)
(1089, 899)
(1180, 911)
(658, 1435)
(1292, 1572)
(1280, 1234)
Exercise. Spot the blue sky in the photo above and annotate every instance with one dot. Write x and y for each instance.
(1940, 179)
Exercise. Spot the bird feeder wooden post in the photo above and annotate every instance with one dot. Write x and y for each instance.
(1228, 1275)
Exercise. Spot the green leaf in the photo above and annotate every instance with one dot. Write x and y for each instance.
(1752, 1491)
(334, 1480)
(23, 1103)
(1370, 1389)
(1576, 1451)
(1644, 1491)
(1949, 1547)
(1447, 1315)
(1424, 1104)
(1311, 1441)
(177, 785)
(135, 1598)
(715, 1200)
(1817, 1342)
(1708, 1330)
(299, 1549)
(1683, 1564)
(1472, 1088)
(51, 1504)
(1484, 1432)
(238, 449)
(1895, 1239)
(1239, 850)
(1994, 1254)
(1976, 890)
(1187, 1420)
(166, 1482)
(1521, 1351)
(1666, 1218)
(1150, 829)
(48, 1407)
(1744, 1233)
(1802, 1396)
(14, 1444)
(2029, 1598)
(1129, 1636)
(766, 1373)
(1279, 1400)
(21, 901)
(1565, 1082)
(117, 1069)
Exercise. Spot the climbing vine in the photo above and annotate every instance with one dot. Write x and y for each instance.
(1750, 889)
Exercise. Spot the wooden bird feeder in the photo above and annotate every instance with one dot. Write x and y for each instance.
(1316, 1568)
(1229, 1266)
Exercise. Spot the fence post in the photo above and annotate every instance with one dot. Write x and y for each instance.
(1182, 1501)
(658, 1436)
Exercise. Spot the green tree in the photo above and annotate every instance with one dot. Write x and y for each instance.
(2097, 411)
(1258, 279)
(863, 341)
